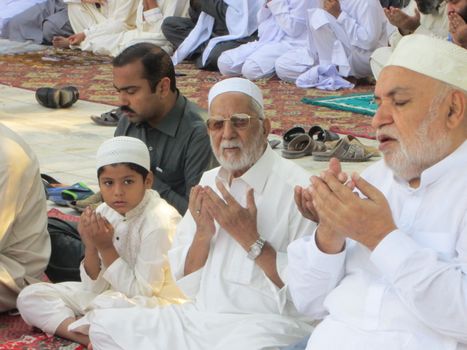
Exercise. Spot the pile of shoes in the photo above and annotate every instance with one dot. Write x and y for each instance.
(323, 145)
(57, 97)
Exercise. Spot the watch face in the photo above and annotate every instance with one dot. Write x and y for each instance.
(255, 251)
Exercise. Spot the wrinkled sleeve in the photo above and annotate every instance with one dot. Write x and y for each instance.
(312, 274)
(423, 280)
(189, 284)
(148, 275)
(116, 23)
(364, 31)
(98, 285)
(290, 15)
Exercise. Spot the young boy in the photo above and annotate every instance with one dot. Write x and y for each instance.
(126, 242)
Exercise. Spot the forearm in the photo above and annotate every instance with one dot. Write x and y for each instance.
(267, 262)
(109, 255)
(197, 254)
(92, 263)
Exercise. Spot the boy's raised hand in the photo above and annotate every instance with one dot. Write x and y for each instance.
(84, 228)
(101, 232)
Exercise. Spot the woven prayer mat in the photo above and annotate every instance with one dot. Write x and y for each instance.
(92, 75)
(16, 335)
(356, 103)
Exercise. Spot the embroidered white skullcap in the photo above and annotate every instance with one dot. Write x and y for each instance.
(123, 149)
(236, 85)
(435, 58)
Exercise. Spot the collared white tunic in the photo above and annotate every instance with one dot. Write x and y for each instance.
(281, 27)
(411, 291)
(235, 305)
(24, 240)
(140, 276)
(346, 42)
(113, 40)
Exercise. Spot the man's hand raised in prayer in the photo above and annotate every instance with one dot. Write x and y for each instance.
(458, 29)
(333, 7)
(241, 224)
(405, 23)
(366, 220)
(205, 230)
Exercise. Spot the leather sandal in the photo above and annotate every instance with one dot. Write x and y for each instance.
(301, 146)
(110, 118)
(57, 98)
(290, 134)
(345, 151)
(318, 133)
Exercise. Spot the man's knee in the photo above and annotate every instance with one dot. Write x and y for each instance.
(49, 30)
(226, 65)
(252, 70)
(282, 69)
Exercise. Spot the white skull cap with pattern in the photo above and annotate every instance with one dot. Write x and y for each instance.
(236, 85)
(123, 149)
(435, 58)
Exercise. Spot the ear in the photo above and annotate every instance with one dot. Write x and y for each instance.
(149, 181)
(266, 126)
(457, 109)
(164, 86)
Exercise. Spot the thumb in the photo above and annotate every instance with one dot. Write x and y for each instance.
(370, 191)
(250, 201)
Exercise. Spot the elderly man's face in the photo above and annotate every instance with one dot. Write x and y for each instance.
(459, 6)
(409, 121)
(237, 149)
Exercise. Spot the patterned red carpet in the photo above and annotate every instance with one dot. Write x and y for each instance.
(92, 75)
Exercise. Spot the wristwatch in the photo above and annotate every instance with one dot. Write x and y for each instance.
(256, 248)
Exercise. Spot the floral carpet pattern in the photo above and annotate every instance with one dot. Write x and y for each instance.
(92, 75)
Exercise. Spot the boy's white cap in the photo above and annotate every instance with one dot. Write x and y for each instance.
(123, 149)
(236, 85)
(435, 58)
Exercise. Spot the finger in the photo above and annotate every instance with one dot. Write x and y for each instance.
(297, 195)
(342, 192)
(366, 188)
(216, 201)
(225, 194)
(250, 201)
(335, 166)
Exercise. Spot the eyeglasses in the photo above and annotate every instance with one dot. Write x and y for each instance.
(238, 121)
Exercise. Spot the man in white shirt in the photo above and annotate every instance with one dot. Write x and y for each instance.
(428, 17)
(341, 37)
(229, 252)
(386, 269)
(281, 27)
(24, 240)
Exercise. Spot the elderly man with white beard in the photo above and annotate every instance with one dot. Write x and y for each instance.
(386, 269)
(229, 252)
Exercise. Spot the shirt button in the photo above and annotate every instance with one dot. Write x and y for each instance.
(118, 238)
(150, 149)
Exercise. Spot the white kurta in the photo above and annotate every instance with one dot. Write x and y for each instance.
(113, 40)
(140, 276)
(411, 291)
(241, 22)
(11, 8)
(113, 15)
(281, 27)
(436, 25)
(235, 305)
(346, 43)
(24, 240)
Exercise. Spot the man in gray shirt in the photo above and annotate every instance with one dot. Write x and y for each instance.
(171, 126)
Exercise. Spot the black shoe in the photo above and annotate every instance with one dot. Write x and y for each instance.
(57, 98)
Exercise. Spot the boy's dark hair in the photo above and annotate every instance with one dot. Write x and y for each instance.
(138, 168)
(157, 64)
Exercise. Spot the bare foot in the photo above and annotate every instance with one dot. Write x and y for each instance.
(60, 42)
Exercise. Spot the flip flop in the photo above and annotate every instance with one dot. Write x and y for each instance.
(345, 151)
(57, 97)
(110, 118)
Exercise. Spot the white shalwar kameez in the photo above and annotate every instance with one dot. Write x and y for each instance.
(140, 276)
(235, 305)
(113, 40)
(337, 47)
(436, 24)
(411, 291)
(11, 8)
(281, 27)
(112, 16)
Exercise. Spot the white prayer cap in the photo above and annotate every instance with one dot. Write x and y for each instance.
(435, 58)
(236, 85)
(123, 149)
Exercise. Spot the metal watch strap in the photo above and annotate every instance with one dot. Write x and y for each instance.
(256, 248)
